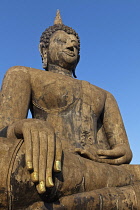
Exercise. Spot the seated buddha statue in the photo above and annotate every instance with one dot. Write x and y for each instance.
(74, 152)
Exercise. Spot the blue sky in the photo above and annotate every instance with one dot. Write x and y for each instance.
(110, 46)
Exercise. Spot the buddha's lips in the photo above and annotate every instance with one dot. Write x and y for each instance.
(68, 52)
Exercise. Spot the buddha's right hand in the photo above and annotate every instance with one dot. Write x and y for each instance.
(42, 150)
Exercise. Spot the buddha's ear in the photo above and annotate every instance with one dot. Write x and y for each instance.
(78, 59)
(44, 55)
(45, 58)
(73, 71)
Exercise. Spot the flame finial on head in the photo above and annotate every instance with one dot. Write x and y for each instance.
(58, 19)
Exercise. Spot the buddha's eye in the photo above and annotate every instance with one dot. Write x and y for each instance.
(60, 41)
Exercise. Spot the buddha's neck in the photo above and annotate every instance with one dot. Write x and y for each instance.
(60, 70)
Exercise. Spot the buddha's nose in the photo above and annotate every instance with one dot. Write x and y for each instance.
(71, 48)
(70, 45)
(70, 42)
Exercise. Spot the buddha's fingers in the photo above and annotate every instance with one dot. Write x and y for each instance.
(36, 152)
(50, 159)
(85, 154)
(116, 152)
(58, 155)
(42, 161)
(117, 161)
(28, 149)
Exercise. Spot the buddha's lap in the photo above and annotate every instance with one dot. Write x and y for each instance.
(78, 175)
(76, 170)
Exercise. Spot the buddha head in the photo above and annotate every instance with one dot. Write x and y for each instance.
(60, 45)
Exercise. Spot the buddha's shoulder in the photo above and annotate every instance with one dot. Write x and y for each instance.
(24, 69)
(93, 88)
(33, 72)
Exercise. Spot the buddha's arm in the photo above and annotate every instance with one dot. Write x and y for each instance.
(120, 151)
(43, 151)
(14, 97)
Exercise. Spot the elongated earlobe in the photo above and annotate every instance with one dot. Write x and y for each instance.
(45, 60)
(43, 52)
(78, 59)
(73, 71)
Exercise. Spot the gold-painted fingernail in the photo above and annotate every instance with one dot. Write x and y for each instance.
(41, 187)
(34, 177)
(57, 166)
(50, 182)
(29, 165)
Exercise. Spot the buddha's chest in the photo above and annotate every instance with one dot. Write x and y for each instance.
(59, 94)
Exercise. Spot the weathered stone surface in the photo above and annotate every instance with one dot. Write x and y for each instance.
(74, 153)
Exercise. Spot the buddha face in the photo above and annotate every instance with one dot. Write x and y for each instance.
(63, 50)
